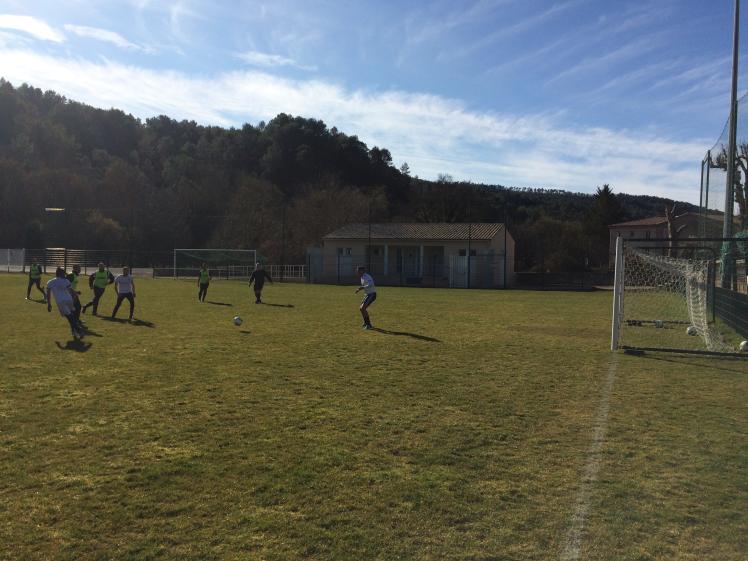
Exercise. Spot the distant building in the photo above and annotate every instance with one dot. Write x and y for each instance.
(478, 255)
(655, 228)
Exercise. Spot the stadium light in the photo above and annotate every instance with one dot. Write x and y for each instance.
(53, 209)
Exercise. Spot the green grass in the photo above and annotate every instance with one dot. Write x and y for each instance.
(461, 433)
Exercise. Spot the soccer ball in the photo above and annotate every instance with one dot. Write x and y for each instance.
(744, 347)
(237, 320)
(692, 330)
(659, 323)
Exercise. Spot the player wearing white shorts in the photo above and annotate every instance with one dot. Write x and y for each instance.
(62, 291)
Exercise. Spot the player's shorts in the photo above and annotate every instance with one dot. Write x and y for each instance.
(369, 299)
(66, 307)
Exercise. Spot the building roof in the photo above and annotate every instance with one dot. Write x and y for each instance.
(651, 221)
(417, 231)
(661, 220)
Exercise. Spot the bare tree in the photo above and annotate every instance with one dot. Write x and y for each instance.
(672, 231)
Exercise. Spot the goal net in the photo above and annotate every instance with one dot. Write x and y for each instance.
(222, 263)
(667, 299)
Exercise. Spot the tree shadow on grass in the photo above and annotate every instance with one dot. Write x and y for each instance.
(74, 345)
(406, 334)
(135, 322)
(278, 305)
(218, 303)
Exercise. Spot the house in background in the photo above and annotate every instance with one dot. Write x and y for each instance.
(475, 255)
(655, 228)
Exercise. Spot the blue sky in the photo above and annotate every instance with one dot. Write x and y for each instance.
(564, 94)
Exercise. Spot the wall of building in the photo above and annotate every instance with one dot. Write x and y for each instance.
(428, 263)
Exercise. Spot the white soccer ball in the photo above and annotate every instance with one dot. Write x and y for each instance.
(692, 330)
(744, 347)
(659, 323)
(237, 320)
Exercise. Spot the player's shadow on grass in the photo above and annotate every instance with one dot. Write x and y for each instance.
(245, 332)
(135, 322)
(75, 345)
(278, 305)
(218, 303)
(406, 334)
(90, 332)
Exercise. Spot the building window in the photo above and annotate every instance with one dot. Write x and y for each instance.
(648, 234)
(463, 253)
(473, 253)
(631, 234)
(344, 251)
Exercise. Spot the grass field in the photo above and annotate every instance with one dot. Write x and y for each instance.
(475, 425)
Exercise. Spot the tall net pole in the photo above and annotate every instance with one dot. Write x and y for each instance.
(730, 187)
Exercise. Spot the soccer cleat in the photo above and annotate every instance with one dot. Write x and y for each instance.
(368, 326)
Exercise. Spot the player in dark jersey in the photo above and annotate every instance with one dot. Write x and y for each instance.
(73, 278)
(203, 282)
(259, 276)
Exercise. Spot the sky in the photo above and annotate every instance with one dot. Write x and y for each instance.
(567, 94)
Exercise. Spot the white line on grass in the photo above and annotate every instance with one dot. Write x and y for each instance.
(591, 467)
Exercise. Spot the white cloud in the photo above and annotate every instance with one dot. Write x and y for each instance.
(32, 26)
(433, 134)
(102, 35)
(265, 60)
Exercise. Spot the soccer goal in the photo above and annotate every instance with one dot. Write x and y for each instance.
(669, 296)
(222, 263)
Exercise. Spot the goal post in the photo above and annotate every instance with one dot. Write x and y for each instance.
(668, 296)
(222, 263)
(617, 295)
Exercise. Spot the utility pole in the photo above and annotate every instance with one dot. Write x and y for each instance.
(368, 247)
(728, 259)
(731, 148)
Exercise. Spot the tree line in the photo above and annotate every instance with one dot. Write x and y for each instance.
(277, 187)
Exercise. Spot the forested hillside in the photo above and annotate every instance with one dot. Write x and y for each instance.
(159, 184)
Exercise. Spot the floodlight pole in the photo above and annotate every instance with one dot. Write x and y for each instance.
(730, 189)
(368, 247)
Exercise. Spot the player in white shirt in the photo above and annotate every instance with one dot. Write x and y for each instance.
(367, 284)
(124, 286)
(62, 291)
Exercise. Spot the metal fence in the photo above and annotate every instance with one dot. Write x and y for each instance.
(582, 280)
(12, 260)
(141, 263)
